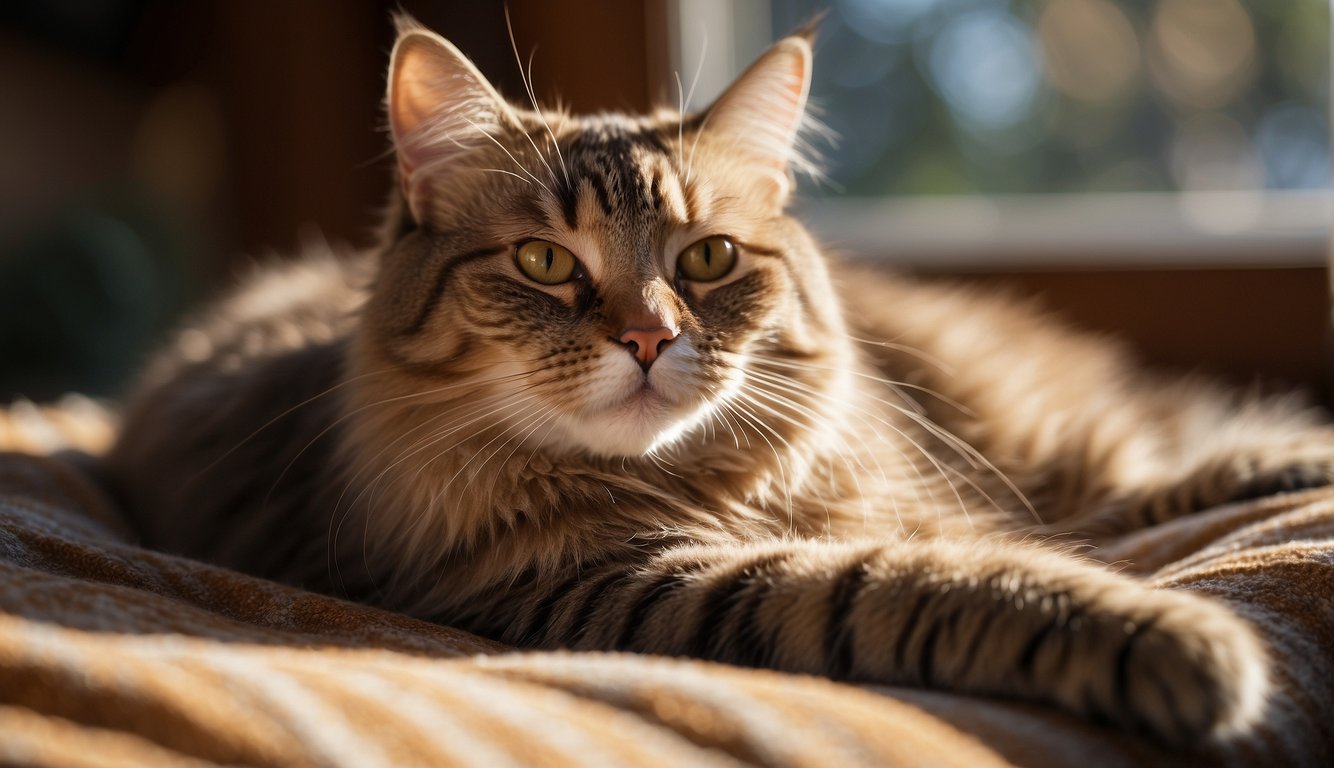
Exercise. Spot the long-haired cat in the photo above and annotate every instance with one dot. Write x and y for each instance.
(596, 390)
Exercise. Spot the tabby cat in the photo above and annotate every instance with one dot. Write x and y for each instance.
(596, 390)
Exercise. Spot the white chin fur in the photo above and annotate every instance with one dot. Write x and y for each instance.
(620, 418)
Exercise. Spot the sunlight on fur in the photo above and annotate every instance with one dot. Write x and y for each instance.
(621, 439)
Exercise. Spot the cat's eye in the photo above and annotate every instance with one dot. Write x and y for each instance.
(708, 260)
(545, 262)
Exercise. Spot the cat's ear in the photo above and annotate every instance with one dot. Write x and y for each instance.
(760, 114)
(440, 107)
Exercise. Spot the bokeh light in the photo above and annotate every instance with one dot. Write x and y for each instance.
(985, 65)
(1203, 51)
(1061, 96)
(852, 60)
(885, 22)
(1090, 50)
(1212, 152)
(1293, 142)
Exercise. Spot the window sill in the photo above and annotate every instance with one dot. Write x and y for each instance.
(1146, 230)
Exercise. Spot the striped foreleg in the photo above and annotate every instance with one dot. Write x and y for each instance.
(1001, 620)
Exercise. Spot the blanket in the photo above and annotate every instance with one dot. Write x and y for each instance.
(111, 655)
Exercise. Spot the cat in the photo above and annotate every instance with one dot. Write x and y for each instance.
(596, 389)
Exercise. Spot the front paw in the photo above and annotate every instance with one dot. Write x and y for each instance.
(1180, 668)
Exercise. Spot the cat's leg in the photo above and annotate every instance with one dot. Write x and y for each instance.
(983, 619)
(1238, 475)
(1235, 468)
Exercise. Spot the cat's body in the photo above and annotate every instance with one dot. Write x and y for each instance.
(687, 450)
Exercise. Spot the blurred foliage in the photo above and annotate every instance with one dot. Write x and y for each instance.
(1060, 96)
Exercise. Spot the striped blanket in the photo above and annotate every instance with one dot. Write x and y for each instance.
(111, 655)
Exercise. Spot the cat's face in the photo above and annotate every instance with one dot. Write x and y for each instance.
(604, 283)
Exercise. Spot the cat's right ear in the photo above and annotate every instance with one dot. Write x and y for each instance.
(440, 107)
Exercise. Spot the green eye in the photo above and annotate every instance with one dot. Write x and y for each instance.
(709, 259)
(545, 262)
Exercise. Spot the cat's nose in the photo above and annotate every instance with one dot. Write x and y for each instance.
(646, 343)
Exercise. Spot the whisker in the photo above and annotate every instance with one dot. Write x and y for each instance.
(421, 513)
(354, 412)
(890, 383)
(534, 452)
(282, 416)
(846, 450)
(518, 440)
(906, 349)
(720, 415)
(761, 390)
(926, 454)
(507, 400)
(507, 173)
(757, 422)
(699, 67)
(527, 78)
(974, 457)
(511, 156)
(338, 514)
(450, 482)
(548, 418)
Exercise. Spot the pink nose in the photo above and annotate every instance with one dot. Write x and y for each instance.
(646, 343)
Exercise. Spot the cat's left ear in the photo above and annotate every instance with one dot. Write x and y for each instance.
(760, 114)
(440, 108)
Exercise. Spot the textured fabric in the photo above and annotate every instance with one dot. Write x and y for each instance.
(111, 655)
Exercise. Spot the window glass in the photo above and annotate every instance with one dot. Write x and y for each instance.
(930, 97)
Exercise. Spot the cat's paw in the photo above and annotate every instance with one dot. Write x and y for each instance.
(1183, 669)
(1170, 664)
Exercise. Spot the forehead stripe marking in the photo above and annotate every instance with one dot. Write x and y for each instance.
(567, 193)
(655, 190)
(600, 189)
(605, 159)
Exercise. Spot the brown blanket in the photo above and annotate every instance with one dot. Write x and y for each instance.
(111, 655)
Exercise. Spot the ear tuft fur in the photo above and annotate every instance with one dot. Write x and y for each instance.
(405, 22)
(810, 29)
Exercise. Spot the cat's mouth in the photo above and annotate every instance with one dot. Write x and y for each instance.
(632, 413)
(647, 401)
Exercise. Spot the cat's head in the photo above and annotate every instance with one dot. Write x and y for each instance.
(599, 283)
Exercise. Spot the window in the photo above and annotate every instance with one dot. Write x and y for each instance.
(1142, 131)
